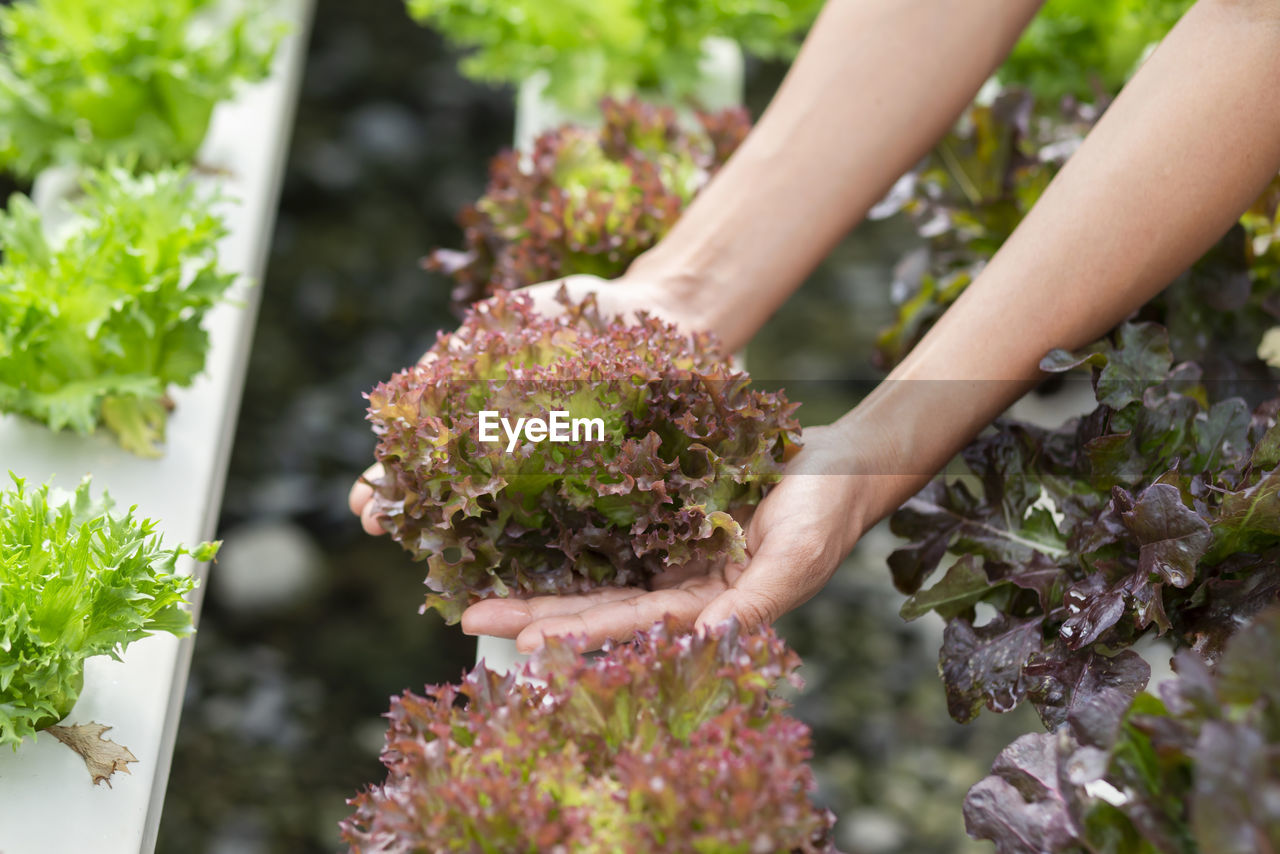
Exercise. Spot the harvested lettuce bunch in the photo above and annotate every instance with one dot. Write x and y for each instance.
(88, 81)
(671, 743)
(96, 323)
(587, 201)
(685, 441)
(76, 580)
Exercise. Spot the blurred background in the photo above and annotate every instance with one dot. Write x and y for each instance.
(310, 625)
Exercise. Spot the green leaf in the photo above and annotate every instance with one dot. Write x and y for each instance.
(1141, 359)
(76, 580)
(89, 82)
(95, 327)
(1078, 48)
(591, 48)
(964, 585)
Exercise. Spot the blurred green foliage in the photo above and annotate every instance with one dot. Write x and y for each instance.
(592, 48)
(86, 81)
(1084, 48)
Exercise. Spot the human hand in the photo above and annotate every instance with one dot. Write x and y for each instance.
(795, 540)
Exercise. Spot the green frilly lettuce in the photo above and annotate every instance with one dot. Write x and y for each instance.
(99, 320)
(86, 82)
(76, 580)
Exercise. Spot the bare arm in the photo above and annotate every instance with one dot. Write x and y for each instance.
(1187, 146)
(877, 83)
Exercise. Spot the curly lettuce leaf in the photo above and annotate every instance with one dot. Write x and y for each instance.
(685, 441)
(587, 201)
(671, 743)
(97, 324)
(87, 81)
(76, 580)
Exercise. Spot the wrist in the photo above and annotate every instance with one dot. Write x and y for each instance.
(841, 500)
(876, 463)
(700, 293)
(682, 286)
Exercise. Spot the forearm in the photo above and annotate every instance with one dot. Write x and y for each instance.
(1188, 145)
(876, 84)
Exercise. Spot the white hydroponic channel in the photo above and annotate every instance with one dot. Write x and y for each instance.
(48, 804)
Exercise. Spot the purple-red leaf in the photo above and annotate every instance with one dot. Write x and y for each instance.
(1020, 807)
(1172, 537)
(671, 743)
(983, 665)
(1091, 693)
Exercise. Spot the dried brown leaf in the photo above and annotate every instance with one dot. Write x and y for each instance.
(101, 756)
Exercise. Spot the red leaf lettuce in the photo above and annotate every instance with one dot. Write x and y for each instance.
(686, 441)
(587, 201)
(671, 743)
(1196, 770)
(1155, 514)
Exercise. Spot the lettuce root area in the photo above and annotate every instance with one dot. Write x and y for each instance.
(687, 442)
(671, 743)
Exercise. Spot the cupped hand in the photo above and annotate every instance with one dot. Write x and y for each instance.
(619, 298)
(795, 540)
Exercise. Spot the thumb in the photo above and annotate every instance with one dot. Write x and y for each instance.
(780, 576)
(750, 610)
